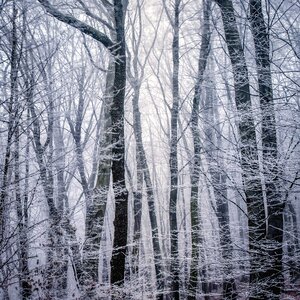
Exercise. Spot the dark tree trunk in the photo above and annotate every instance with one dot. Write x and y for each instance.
(174, 267)
(196, 224)
(118, 158)
(26, 286)
(240, 214)
(137, 211)
(273, 274)
(248, 149)
(102, 187)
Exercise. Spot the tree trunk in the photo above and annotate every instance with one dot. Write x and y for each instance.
(143, 167)
(273, 274)
(118, 151)
(137, 217)
(91, 246)
(248, 149)
(174, 270)
(216, 166)
(101, 190)
(24, 280)
(25, 286)
(11, 121)
(293, 245)
(55, 274)
(196, 224)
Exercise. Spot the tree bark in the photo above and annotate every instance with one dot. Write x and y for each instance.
(118, 151)
(81, 26)
(248, 149)
(173, 161)
(273, 274)
(196, 224)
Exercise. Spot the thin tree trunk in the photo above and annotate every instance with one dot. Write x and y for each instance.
(196, 224)
(70, 240)
(24, 280)
(143, 170)
(11, 115)
(173, 161)
(135, 77)
(25, 286)
(89, 276)
(54, 270)
(218, 178)
(293, 246)
(240, 215)
(96, 215)
(11, 127)
(96, 206)
(137, 218)
(95, 199)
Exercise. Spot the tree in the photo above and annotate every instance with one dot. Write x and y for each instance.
(11, 169)
(196, 226)
(273, 275)
(248, 148)
(117, 49)
(174, 271)
(218, 177)
(198, 100)
(136, 73)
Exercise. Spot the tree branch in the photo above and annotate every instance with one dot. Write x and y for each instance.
(81, 26)
(92, 15)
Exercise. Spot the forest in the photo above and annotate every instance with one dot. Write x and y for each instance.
(149, 149)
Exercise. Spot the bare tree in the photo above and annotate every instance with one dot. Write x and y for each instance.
(207, 129)
(273, 274)
(173, 161)
(197, 234)
(248, 148)
(216, 167)
(117, 49)
(136, 74)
